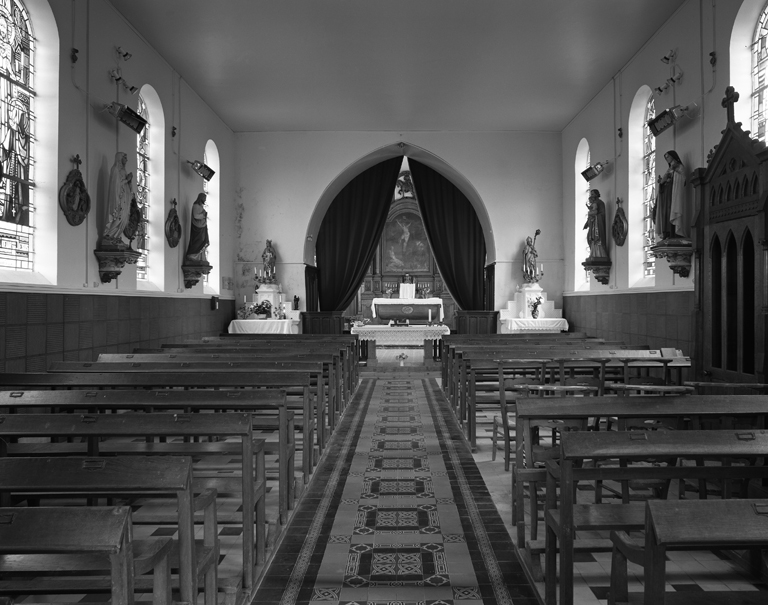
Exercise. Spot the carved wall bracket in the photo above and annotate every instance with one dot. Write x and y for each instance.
(678, 253)
(112, 261)
(601, 269)
(194, 273)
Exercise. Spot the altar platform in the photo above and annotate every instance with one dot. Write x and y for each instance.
(427, 336)
(263, 326)
(412, 309)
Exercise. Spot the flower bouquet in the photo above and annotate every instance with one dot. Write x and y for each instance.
(534, 305)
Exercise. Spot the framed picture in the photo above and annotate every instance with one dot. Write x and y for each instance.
(404, 244)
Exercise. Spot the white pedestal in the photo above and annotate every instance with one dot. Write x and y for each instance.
(520, 307)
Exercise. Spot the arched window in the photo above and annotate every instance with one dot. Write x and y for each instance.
(150, 191)
(17, 127)
(581, 194)
(759, 81)
(212, 191)
(649, 189)
(142, 191)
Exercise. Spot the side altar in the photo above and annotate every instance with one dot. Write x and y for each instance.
(519, 316)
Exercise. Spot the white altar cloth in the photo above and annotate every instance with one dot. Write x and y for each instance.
(408, 301)
(263, 326)
(407, 335)
(537, 325)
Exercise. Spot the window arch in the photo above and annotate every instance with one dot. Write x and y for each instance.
(213, 195)
(143, 151)
(17, 140)
(641, 164)
(743, 50)
(150, 190)
(581, 193)
(759, 88)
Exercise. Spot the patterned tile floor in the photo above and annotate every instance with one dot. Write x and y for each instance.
(398, 514)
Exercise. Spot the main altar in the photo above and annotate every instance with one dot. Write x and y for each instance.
(427, 336)
(421, 310)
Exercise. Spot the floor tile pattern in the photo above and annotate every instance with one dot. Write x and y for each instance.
(397, 515)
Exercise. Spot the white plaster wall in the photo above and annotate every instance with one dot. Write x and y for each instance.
(694, 31)
(282, 175)
(84, 129)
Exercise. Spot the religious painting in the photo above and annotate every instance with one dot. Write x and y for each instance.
(405, 246)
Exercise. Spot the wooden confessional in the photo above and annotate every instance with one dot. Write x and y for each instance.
(729, 239)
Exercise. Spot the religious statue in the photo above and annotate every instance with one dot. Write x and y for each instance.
(529, 258)
(269, 257)
(198, 233)
(595, 226)
(119, 198)
(668, 216)
(407, 279)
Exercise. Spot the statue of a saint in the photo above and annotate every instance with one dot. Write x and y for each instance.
(198, 233)
(119, 198)
(669, 213)
(529, 258)
(269, 257)
(595, 226)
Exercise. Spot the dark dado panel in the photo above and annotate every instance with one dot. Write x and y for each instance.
(663, 319)
(36, 329)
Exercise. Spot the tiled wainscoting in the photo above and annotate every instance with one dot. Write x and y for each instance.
(663, 319)
(36, 329)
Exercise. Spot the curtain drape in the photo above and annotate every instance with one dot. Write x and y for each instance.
(454, 233)
(310, 287)
(350, 233)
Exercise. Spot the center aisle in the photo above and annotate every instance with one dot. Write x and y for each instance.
(397, 514)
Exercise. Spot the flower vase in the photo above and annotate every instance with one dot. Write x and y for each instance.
(535, 313)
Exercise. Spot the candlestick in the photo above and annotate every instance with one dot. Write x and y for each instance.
(430, 315)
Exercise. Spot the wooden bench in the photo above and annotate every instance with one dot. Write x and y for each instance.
(174, 380)
(44, 543)
(564, 518)
(266, 407)
(146, 476)
(687, 524)
(250, 484)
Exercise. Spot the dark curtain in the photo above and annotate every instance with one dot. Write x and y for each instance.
(310, 287)
(351, 231)
(454, 233)
(489, 287)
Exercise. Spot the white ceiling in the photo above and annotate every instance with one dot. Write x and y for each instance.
(397, 65)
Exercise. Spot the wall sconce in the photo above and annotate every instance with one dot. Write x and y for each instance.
(127, 116)
(594, 170)
(124, 54)
(204, 171)
(669, 116)
(669, 57)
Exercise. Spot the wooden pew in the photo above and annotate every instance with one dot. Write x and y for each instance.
(340, 384)
(43, 543)
(564, 518)
(174, 380)
(148, 476)
(95, 427)
(332, 379)
(255, 402)
(688, 524)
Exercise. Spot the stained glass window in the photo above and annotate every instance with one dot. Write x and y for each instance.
(16, 137)
(206, 186)
(649, 190)
(759, 84)
(142, 192)
(587, 251)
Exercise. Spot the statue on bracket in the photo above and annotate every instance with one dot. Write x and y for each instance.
(73, 196)
(598, 262)
(669, 213)
(195, 260)
(530, 273)
(119, 198)
(173, 226)
(123, 219)
(268, 257)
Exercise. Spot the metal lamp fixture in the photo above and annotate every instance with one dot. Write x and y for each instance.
(127, 116)
(202, 169)
(594, 170)
(669, 116)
